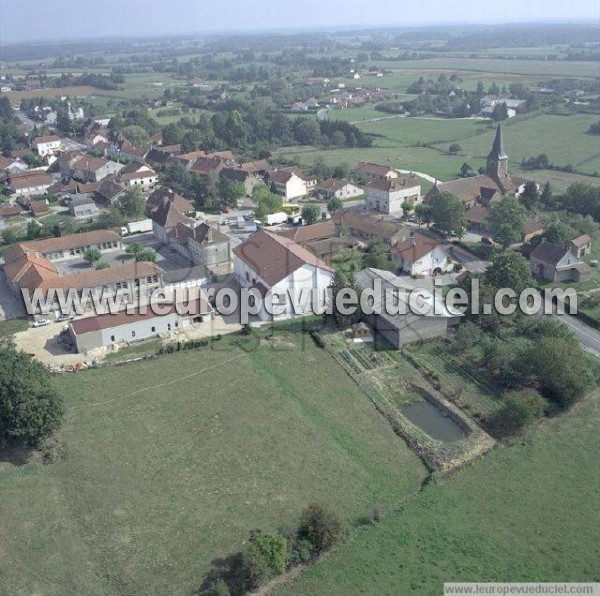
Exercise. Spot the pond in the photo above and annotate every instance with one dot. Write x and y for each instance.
(433, 421)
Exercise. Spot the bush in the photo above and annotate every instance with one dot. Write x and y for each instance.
(520, 409)
(321, 527)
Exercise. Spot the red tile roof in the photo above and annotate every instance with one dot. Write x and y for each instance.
(415, 248)
(274, 257)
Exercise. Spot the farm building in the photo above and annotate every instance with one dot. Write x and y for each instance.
(406, 327)
(124, 327)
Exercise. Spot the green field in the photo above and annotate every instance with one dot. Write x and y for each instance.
(547, 68)
(523, 513)
(562, 138)
(165, 464)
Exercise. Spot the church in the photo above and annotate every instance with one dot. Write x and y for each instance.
(479, 192)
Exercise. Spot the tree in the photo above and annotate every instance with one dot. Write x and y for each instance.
(135, 134)
(134, 248)
(406, 207)
(340, 283)
(265, 202)
(133, 204)
(560, 368)
(146, 255)
(454, 149)
(307, 131)
(321, 527)
(34, 230)
(448, 212)
(102, 265)
(92, 255)
(558, 232)
(377, 255)
(547, 197)
(466, 170)
(172, 134)
(111, 218)
(311, 214)
(508, 219)
(267, 557)
(509, 270)
(530, 196)
(519, 409)
(9, 236)
(500, 112)
(232, 192)
(334, 204)
(423, 213)
(30, 408)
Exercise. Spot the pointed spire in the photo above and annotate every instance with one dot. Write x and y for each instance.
(497, 151)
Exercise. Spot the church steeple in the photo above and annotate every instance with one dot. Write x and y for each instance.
(497, 160)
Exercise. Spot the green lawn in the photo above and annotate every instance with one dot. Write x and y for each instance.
(523, 513)
(547, 68)
(563, 138)
(148, 486)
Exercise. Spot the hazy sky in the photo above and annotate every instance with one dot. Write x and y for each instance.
(59, 19)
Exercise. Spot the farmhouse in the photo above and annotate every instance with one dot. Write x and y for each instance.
(324, 239)
(267, 261)
(93, 169)
(580, 246)
(387, 195)
(557, 263)
(421, 255)
(371, 171)
(406, 327)
(367, 228)
(83, 206)
(46, 145)
(290, 183)
(30, 183)
(142, 176)
(341, 189)
(481, 189)
(143, 323)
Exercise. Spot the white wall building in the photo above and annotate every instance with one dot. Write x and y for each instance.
(268, 261)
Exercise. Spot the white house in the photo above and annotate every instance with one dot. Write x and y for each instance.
(420, 255)
(144, 177)
(46, 145)
(342, 189)
(270, 262)
(387, 196)
(289, 184)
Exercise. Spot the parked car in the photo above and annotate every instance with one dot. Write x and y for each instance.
(412, 217)
(41, 323)
(64, 318)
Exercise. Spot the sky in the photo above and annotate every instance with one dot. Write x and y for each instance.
(75, 19)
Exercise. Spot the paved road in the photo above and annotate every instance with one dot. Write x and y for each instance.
(588, 338)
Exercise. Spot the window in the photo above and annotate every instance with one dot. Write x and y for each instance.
(169, 326)
(133, 334)
(153, 329)
(176, 323)
(112, 338)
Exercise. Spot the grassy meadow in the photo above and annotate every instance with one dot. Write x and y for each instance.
(523, 513)
(163, 465)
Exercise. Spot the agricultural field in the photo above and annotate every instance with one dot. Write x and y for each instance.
(519, 514)
(541, 68)
(563, 138)
(399, 143)
(163, 465)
